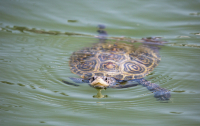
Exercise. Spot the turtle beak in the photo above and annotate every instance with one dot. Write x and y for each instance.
(99, 82)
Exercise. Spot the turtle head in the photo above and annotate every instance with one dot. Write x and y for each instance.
(101, 81)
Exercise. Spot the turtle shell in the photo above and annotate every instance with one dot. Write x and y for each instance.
(119, 60)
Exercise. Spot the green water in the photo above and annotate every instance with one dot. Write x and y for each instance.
(32, 64)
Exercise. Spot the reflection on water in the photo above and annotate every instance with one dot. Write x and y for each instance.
(99, 94)
(15, 29)
(34, 30)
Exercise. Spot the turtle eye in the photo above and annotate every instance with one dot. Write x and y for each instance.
(92, 79)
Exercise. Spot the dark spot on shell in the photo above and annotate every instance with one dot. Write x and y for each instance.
(88, 75)
(99, 74)
(79, 73)
(128, 78)
(119, 77)
(138, 76)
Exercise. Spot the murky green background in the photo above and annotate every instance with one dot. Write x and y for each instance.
(32, 64)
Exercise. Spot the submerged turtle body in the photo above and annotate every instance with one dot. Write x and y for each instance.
(117, 60)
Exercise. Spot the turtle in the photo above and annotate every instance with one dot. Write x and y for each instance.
(112, 64)
(109, 65)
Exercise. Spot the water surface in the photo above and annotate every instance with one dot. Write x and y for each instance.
(34, 62)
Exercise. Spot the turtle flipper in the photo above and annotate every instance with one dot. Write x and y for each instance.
(159, 93)
(69, 83)
(123, 86)
(76, 80)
